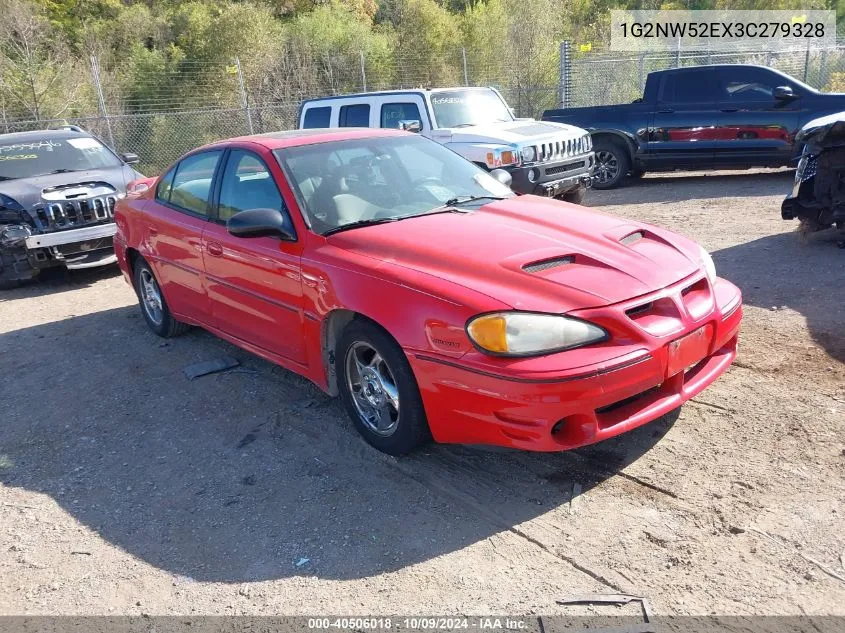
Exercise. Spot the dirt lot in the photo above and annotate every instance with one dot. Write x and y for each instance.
(127, 489)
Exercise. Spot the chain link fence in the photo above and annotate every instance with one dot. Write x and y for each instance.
(606, 78)
(162, 116)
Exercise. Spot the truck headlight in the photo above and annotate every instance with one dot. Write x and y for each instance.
(707, 263)
(529, 154)
(502, 157)
(530, 333)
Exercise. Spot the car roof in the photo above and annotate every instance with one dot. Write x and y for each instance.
(293, 138)
(398, 91)
(711, 67)
(40, 135)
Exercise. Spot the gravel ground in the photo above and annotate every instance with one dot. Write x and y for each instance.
(127, 489)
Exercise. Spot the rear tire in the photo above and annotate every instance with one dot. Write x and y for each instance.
(153, 306)
(379, 390)
(612, 164)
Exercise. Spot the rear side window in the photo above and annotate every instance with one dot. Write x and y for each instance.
(392, 113)
(191, 189)
(357, 115)
(698, 86)
(317, 117)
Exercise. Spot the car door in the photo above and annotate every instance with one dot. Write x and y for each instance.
(754, 127)
(682, 130)
(254, 285)
(174, 229)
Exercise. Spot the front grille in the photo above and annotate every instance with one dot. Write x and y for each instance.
(551, 171)
(68, 214)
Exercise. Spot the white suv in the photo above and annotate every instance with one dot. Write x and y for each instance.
(543, 158)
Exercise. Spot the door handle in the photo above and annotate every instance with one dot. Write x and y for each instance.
(214, 249)
(730, 109)
(153, 231)
(665, 111)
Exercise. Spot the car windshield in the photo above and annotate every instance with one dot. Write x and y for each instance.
(462, 108)
(35, 158)
(368, 180)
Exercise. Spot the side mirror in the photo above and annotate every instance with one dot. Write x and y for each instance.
(784, 93)
(261, 223)
(410, 125)
(503, 176)
(130, 159)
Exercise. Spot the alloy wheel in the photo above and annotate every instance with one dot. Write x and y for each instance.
(373, 388)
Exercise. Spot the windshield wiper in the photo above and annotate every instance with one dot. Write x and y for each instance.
(360, 223)
(56, 171)
(453, 202)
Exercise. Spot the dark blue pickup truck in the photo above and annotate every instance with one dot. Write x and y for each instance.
(701, 117)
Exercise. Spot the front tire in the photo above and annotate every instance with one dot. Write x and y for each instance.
(612, 164)
(153, 306)
(379, 390)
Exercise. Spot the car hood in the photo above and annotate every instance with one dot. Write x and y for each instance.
(819, 131)
(28, 191)
(532, 253)
(520, 132)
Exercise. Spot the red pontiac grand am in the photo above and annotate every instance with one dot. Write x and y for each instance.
(389, 270)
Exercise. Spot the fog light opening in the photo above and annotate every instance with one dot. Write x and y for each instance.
(533, 175)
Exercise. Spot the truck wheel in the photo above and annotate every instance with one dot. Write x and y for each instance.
(15, 269)
(153, 306)
(612, 164)
(576, 196)
(379, 390)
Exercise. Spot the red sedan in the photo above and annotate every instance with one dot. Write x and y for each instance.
(389, 270)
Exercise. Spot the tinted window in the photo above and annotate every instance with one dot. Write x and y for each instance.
(691, 87)
(392, 113)
(357, 115)
(749, 84)
(165, 184)
(247, 184)
(192, 183)
(36, 157)
(317, 117)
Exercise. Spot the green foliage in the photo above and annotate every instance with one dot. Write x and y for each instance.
(836, 83)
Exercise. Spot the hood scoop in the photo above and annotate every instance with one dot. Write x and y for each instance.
(632, 238)
(546, 264)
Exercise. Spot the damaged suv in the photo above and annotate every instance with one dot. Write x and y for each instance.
(58, 189)
(818, 196)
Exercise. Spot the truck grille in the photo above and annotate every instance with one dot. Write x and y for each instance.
(556, 150)
(68, 214)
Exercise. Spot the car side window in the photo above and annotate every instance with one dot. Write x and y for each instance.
(748, 85)
(191, 189)
(357, 115)
(165, 184)
(317, 117)
(392, 113)
(247, 184)
(697, 86)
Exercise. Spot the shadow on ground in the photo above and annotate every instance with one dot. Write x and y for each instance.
(240, 476)
(676, 187)
(55, 280)
(779, 271)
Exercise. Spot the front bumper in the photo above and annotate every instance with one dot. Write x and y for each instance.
(86, 247)
(554, 178)
(566, 407)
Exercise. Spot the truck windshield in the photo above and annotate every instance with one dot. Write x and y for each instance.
(35, 158)
(462, 108)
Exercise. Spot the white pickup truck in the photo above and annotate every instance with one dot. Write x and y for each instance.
(543, 158)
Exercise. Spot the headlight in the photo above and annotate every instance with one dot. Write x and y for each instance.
(527, 333)
(529, 154)
(707, 262)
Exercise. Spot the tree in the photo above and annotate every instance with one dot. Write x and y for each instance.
(39, 79)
